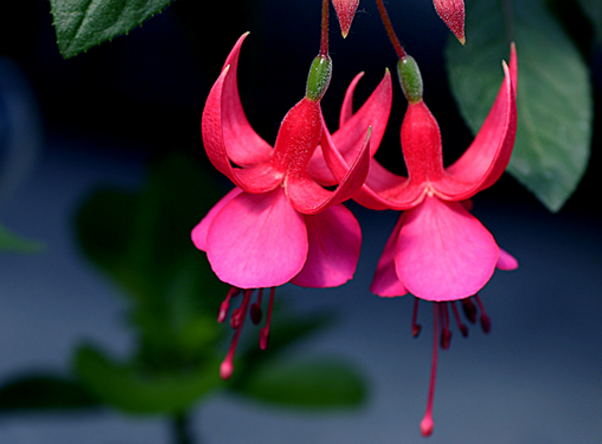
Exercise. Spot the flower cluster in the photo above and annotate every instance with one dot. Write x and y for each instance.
(284, 220)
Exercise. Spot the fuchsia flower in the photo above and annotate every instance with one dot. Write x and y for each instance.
(278, 225)
(452, 13)
(438, 251)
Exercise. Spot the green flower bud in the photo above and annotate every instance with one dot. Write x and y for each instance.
(410, 79)
(319, 78)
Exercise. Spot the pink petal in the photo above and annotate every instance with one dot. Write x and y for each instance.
(345, 10)
(334, 247)
(310, 198)
(452, 13)
(243, 144)
(257, 241)
(443, 253)
(385, 282)
(487, 157)
(199, 233)
(506, 261)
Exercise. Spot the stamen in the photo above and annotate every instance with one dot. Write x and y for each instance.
(485, 321)
(416, 328)
(264, 333)
(227, 367)
(256, 313)
(427, 424)
(463, 328)
(225, 306)
(470, 311)
(238, 315)
(445, 331)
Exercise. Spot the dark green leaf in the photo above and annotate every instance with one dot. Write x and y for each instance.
(593, 10)
(82, 24)
(12, 243)
(43, 392)
(142, 241)
(319, 384)
(134, 390)
(554, 94)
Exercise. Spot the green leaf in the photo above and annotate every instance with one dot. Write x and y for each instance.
(12, 243)
(142, 241)
(133, 389)
(44, 392)
(554, 97)
(82, 24)
(322, 384)
(593, 10)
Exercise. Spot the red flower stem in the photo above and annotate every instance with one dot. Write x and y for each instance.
(389, 27)
(324, 36)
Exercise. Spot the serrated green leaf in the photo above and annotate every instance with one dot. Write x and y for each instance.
(82, 24)
(44, 392)
(554, 97)
(12, 243)
(321, 384)
(129, 388)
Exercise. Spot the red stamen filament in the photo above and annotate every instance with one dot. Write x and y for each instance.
(445, 331)
(485, 321)
(227, 367)
(256, 313)
(225, 306)
(463, 328)
(264, 333)
(416, 328)
(427, 424)
(470, 311)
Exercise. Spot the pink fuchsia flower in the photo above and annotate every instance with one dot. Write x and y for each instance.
(438, 251)
(278, 224)
(452, 13)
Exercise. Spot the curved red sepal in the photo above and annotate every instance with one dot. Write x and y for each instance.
(487, 157)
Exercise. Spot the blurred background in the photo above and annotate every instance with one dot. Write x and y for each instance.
(105, 117)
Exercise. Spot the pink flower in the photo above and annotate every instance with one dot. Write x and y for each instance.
(452, 13)
(278, 224)
(438, 251)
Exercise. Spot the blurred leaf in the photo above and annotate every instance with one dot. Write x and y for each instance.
(82, 24)
(134, 390)
(142, 241)
(554, 94)
(12, 243)
(37, 393)
(319, 384)
(593, 10)
(269, 376)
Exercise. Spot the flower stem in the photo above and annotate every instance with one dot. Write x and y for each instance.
(324, 34)
(389, 27)
(181, 428)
